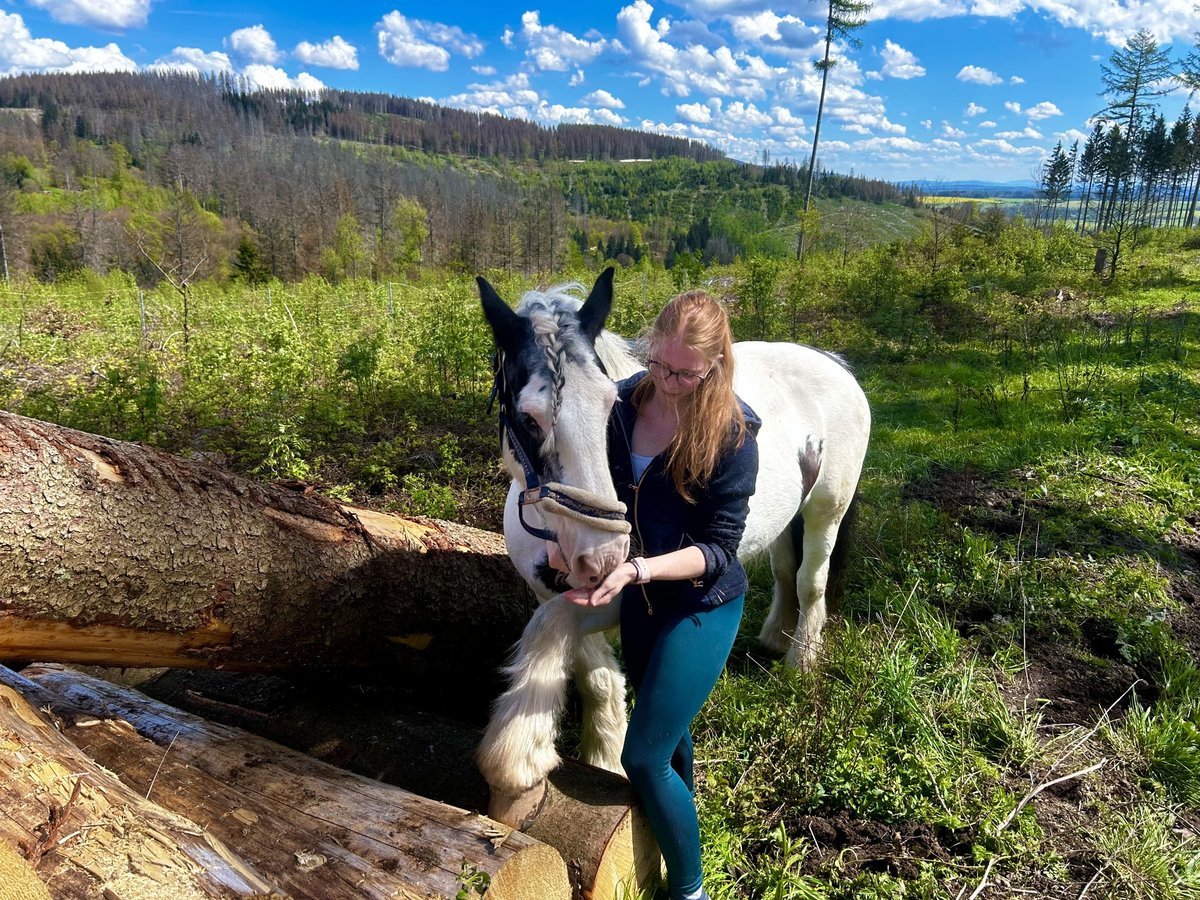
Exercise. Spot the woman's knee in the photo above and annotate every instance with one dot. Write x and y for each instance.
(642, 763)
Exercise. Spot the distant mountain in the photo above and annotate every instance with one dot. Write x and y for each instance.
(970, 188)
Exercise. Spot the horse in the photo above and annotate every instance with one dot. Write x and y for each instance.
(555, 370)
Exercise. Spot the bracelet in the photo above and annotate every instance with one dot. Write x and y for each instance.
(642, 568)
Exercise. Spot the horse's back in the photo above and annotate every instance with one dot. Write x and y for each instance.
(813, 439)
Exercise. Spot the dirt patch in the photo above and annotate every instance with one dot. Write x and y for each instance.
(971, 497)
(853, 846)
(1071, 686)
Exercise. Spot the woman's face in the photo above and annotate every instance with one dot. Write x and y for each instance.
(676, 368)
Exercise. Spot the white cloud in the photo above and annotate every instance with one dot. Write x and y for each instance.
(422, 44)
(334, 53)
(254, 44)
(974, 109)
(20, 51)
(485, 71)
(988, 124)
(97, 13)
(506, 38)
(1016, 79)
(553, 49)
(950, 131)
(603, 98)
(697, 113)
(978, 75)
(744, 116)
(900, 63)
(718, 72)
(926, 123)
(501, 97)
(1013, 106)
(193, 60)
(258, 76)
(1043, 110)
(871, 123)
(1027, 132)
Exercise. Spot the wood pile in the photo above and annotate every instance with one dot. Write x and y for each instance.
(115, 554)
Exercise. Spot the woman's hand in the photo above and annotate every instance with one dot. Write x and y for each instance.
(607, 590)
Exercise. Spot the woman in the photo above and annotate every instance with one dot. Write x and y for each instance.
(684, 460)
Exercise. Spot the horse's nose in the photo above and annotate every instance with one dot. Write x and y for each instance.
(587, 569)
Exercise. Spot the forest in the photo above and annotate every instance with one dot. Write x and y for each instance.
(149, 173)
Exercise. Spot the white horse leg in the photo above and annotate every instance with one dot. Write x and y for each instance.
(781, 621)
(517, 751)
(811, 579)
(602, 688)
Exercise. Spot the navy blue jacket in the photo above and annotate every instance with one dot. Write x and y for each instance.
(663, 521)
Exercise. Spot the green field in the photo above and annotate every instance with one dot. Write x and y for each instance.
(1009, 701)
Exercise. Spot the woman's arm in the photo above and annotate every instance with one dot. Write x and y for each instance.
(677, 565)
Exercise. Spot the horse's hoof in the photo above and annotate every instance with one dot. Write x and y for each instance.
(517, 809)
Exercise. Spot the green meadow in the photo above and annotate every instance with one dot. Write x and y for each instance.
(1008, 703)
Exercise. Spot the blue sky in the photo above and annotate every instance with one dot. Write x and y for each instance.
(938, 89)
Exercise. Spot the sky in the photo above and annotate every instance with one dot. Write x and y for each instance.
(936, 90)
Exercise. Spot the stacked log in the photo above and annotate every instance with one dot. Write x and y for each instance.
(301, 827)
(116, 554)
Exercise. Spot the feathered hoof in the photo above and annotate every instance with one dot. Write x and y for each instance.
(775, 641)
(517, 809)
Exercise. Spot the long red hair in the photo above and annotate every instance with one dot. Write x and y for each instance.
(711, 419)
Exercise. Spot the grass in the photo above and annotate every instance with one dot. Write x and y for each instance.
(1022, 605)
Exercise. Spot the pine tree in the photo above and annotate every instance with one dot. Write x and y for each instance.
(842, 19)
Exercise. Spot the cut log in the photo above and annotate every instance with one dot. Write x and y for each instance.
(320, 831)
(90, 836)
(589, 815)
(113, 553)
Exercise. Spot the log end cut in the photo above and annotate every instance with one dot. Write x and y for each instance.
(535, 872)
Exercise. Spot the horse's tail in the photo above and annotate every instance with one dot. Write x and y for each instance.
(840, 555)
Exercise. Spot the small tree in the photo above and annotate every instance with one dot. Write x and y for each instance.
(842, 19)
(347, 254)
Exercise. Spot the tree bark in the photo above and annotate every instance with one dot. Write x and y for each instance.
(589, 816)
(117, 554)
(90, 836)
(319, 830)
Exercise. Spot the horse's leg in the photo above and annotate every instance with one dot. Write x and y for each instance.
(781, 621)
(820, 534)
(517, 751)
(602, 688)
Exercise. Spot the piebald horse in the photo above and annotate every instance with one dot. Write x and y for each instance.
(555, 368)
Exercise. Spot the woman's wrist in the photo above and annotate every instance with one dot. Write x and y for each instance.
(641, 569)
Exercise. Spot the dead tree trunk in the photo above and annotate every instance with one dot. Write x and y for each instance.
(117, 554)
(90, 836)
(318, 830)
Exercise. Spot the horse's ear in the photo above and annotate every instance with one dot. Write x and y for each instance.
(506, 324)
(595, 310)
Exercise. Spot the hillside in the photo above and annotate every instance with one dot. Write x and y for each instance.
(168, 174)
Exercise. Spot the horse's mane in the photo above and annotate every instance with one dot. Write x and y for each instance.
(542, 306)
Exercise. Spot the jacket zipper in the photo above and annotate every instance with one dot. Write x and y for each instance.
(637, 495)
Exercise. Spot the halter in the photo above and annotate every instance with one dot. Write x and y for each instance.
(572, 502)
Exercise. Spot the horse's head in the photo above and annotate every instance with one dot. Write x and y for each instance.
(555, 397)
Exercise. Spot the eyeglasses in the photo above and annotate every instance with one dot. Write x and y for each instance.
(664, 372)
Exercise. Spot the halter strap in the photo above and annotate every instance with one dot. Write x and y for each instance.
(564, 499)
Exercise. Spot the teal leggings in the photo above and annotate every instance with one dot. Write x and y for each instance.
(673, 661)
